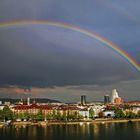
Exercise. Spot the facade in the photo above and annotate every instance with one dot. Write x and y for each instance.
(118, 100)
(114, 95)
(136, 109)
(67, 110)
(109, 113)
(32, 109)
(106, 99)
(97, 109)
(137, 103)
(48, 111)
(1, 107)
(83, 100)
(84, 112)
(28, 101)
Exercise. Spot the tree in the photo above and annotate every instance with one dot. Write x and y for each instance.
(54, 115)
(138, 114)
(15, 116)
(21, 116)
(91, 113)
(80, 117)
(58, 116)
(101, 114)
(119, 113)
(40, 115)
(132, 115)
(7, 113)
(64, 116)
(49, 116)
(1, 115)
(26, 116)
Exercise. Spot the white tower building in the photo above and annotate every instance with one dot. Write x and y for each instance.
(28, 101)
(114, 95)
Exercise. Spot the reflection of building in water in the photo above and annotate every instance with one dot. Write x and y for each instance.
(96, 130)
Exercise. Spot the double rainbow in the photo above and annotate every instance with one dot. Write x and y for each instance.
(104, 41)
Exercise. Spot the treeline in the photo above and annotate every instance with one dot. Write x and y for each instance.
(127, 114)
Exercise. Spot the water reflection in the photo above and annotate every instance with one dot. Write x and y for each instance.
(85, 131)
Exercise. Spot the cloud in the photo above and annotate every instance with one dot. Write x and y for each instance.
(47, 56)
(128, 90)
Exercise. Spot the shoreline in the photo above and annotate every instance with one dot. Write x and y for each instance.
(97, 121)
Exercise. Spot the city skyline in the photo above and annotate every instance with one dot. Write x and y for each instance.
(61, 62)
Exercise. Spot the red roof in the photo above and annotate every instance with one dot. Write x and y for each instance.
(67, 107)
(133, 102)
(32, 106)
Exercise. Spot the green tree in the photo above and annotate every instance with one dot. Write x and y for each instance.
(1, 115)
(80, 117)
(64, 116)
(7, 113)
(132, 115)
(15, 116)
(21, 116)
(58, 116)
(138, 114)
(54, 115)
(119, 113)
(49, 116)
(40, 115)
(91, 113)
(26, 116)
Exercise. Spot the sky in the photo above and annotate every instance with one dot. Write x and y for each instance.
(63, 64)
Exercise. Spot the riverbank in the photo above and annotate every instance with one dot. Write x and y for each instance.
(115, 121)
(97, 121)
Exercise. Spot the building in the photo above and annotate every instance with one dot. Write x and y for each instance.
(32, 109)
(2, 107)
(84, 112)
(118, 100)
(28, 101)
(137, 103)
(97, 109)
(66, 110)
(114, 95)
(7, 103)
(83, 100)
(135, 109)
(106, 99)
(109, 113)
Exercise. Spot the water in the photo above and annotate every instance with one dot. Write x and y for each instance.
(112, 131)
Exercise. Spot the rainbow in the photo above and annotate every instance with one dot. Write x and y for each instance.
(104, 41)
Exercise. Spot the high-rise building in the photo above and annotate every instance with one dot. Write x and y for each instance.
(106, 99)
(114, 95)
(28, 101)
(83, 100)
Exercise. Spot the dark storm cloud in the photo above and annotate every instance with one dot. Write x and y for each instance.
(47, 56)
(44, 56)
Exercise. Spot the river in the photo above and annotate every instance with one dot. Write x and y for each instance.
(107, 131)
